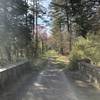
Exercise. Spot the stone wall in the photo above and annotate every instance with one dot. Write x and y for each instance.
(13, 73)
(90, 73)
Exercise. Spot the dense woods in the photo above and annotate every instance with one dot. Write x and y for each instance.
(19, 36)
(49, 49)
(75, 29)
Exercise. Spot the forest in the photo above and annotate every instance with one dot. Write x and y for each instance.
(49, 49)
(74, 30)
(21, 37)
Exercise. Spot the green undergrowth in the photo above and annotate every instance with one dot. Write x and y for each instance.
(85, 49)
(58, 60)
(38, 64)
(50, 53)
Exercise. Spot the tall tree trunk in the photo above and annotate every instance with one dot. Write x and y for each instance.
(61, 40)
(43, 47)
(8, 51)
(69, 27)
(33, 28)
(69, 31)
(26, 12)
(36, 36)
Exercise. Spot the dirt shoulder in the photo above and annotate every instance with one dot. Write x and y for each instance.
(83, 89)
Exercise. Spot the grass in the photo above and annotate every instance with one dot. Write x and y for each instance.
(41, 62)
(50, 53)
(38, 64)
(59, 60)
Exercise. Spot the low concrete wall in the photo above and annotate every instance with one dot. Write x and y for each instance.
(90, 72)
(13, 73)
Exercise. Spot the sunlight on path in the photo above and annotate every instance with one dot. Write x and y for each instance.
(51, 84)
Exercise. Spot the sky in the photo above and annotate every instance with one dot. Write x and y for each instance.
(45, 3)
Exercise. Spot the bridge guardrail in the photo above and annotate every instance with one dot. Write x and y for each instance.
(90, 72)
(13, 73)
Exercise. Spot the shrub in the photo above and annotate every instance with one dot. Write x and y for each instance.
(84, 48)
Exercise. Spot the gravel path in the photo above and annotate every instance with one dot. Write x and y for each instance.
(51, 84)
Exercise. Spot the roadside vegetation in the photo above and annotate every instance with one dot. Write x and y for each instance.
(58, 59)
(19, 38)
(85, 48)
(76, 30)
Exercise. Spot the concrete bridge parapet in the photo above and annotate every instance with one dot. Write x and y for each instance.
(13, 73)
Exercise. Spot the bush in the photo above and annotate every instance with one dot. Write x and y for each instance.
(84, 48)
(73, 65)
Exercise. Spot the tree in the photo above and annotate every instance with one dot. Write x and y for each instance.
(59, 24)
(79, 12)
(13, 27)
(78, 15)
